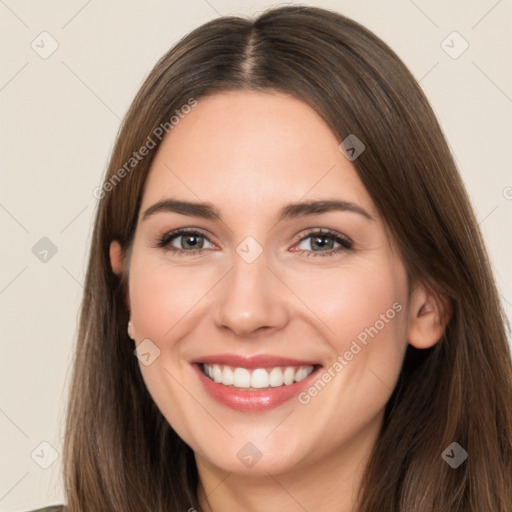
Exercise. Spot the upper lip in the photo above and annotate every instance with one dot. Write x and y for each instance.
(254, 361)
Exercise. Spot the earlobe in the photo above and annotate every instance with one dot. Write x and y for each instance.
(428, 318)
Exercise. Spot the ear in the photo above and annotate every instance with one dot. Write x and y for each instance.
(428, 316)
(117, 264)
(116, 260)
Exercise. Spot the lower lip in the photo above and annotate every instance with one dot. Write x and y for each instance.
(252, 400)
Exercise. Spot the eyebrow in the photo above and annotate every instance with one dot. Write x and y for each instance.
(292, 210)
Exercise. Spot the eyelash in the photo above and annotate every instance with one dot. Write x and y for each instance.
(345, 243)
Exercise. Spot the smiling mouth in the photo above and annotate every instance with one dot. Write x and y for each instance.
(257, 378)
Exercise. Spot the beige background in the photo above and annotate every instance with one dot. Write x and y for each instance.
(60, 115)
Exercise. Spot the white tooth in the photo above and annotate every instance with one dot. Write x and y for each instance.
(208, 370)
(227, 376)
(241, 378)
(259, 378)
(276, 377)
(303, 372)
(217, 373)
(289, 375)
(299, 374)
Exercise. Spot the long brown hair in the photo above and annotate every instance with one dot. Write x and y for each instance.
(120, 452)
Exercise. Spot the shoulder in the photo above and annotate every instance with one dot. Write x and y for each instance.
(53, 508)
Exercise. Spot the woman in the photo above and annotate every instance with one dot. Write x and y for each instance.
(288, 304)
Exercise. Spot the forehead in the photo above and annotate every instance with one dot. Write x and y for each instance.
(256, 150)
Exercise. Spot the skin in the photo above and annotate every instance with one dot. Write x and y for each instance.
(249, 154)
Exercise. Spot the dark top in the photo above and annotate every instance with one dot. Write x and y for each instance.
(53, 508)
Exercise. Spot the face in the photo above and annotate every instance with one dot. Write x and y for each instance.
(273, 334)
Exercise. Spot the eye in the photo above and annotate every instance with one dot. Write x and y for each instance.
(322, 243)
(184, 241)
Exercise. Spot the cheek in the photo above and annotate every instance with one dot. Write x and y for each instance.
(362, 312)
(353, 303)
(161, 295)
(363, 317)
(161, 300)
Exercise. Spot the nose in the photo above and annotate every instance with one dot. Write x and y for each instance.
(251, 299)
